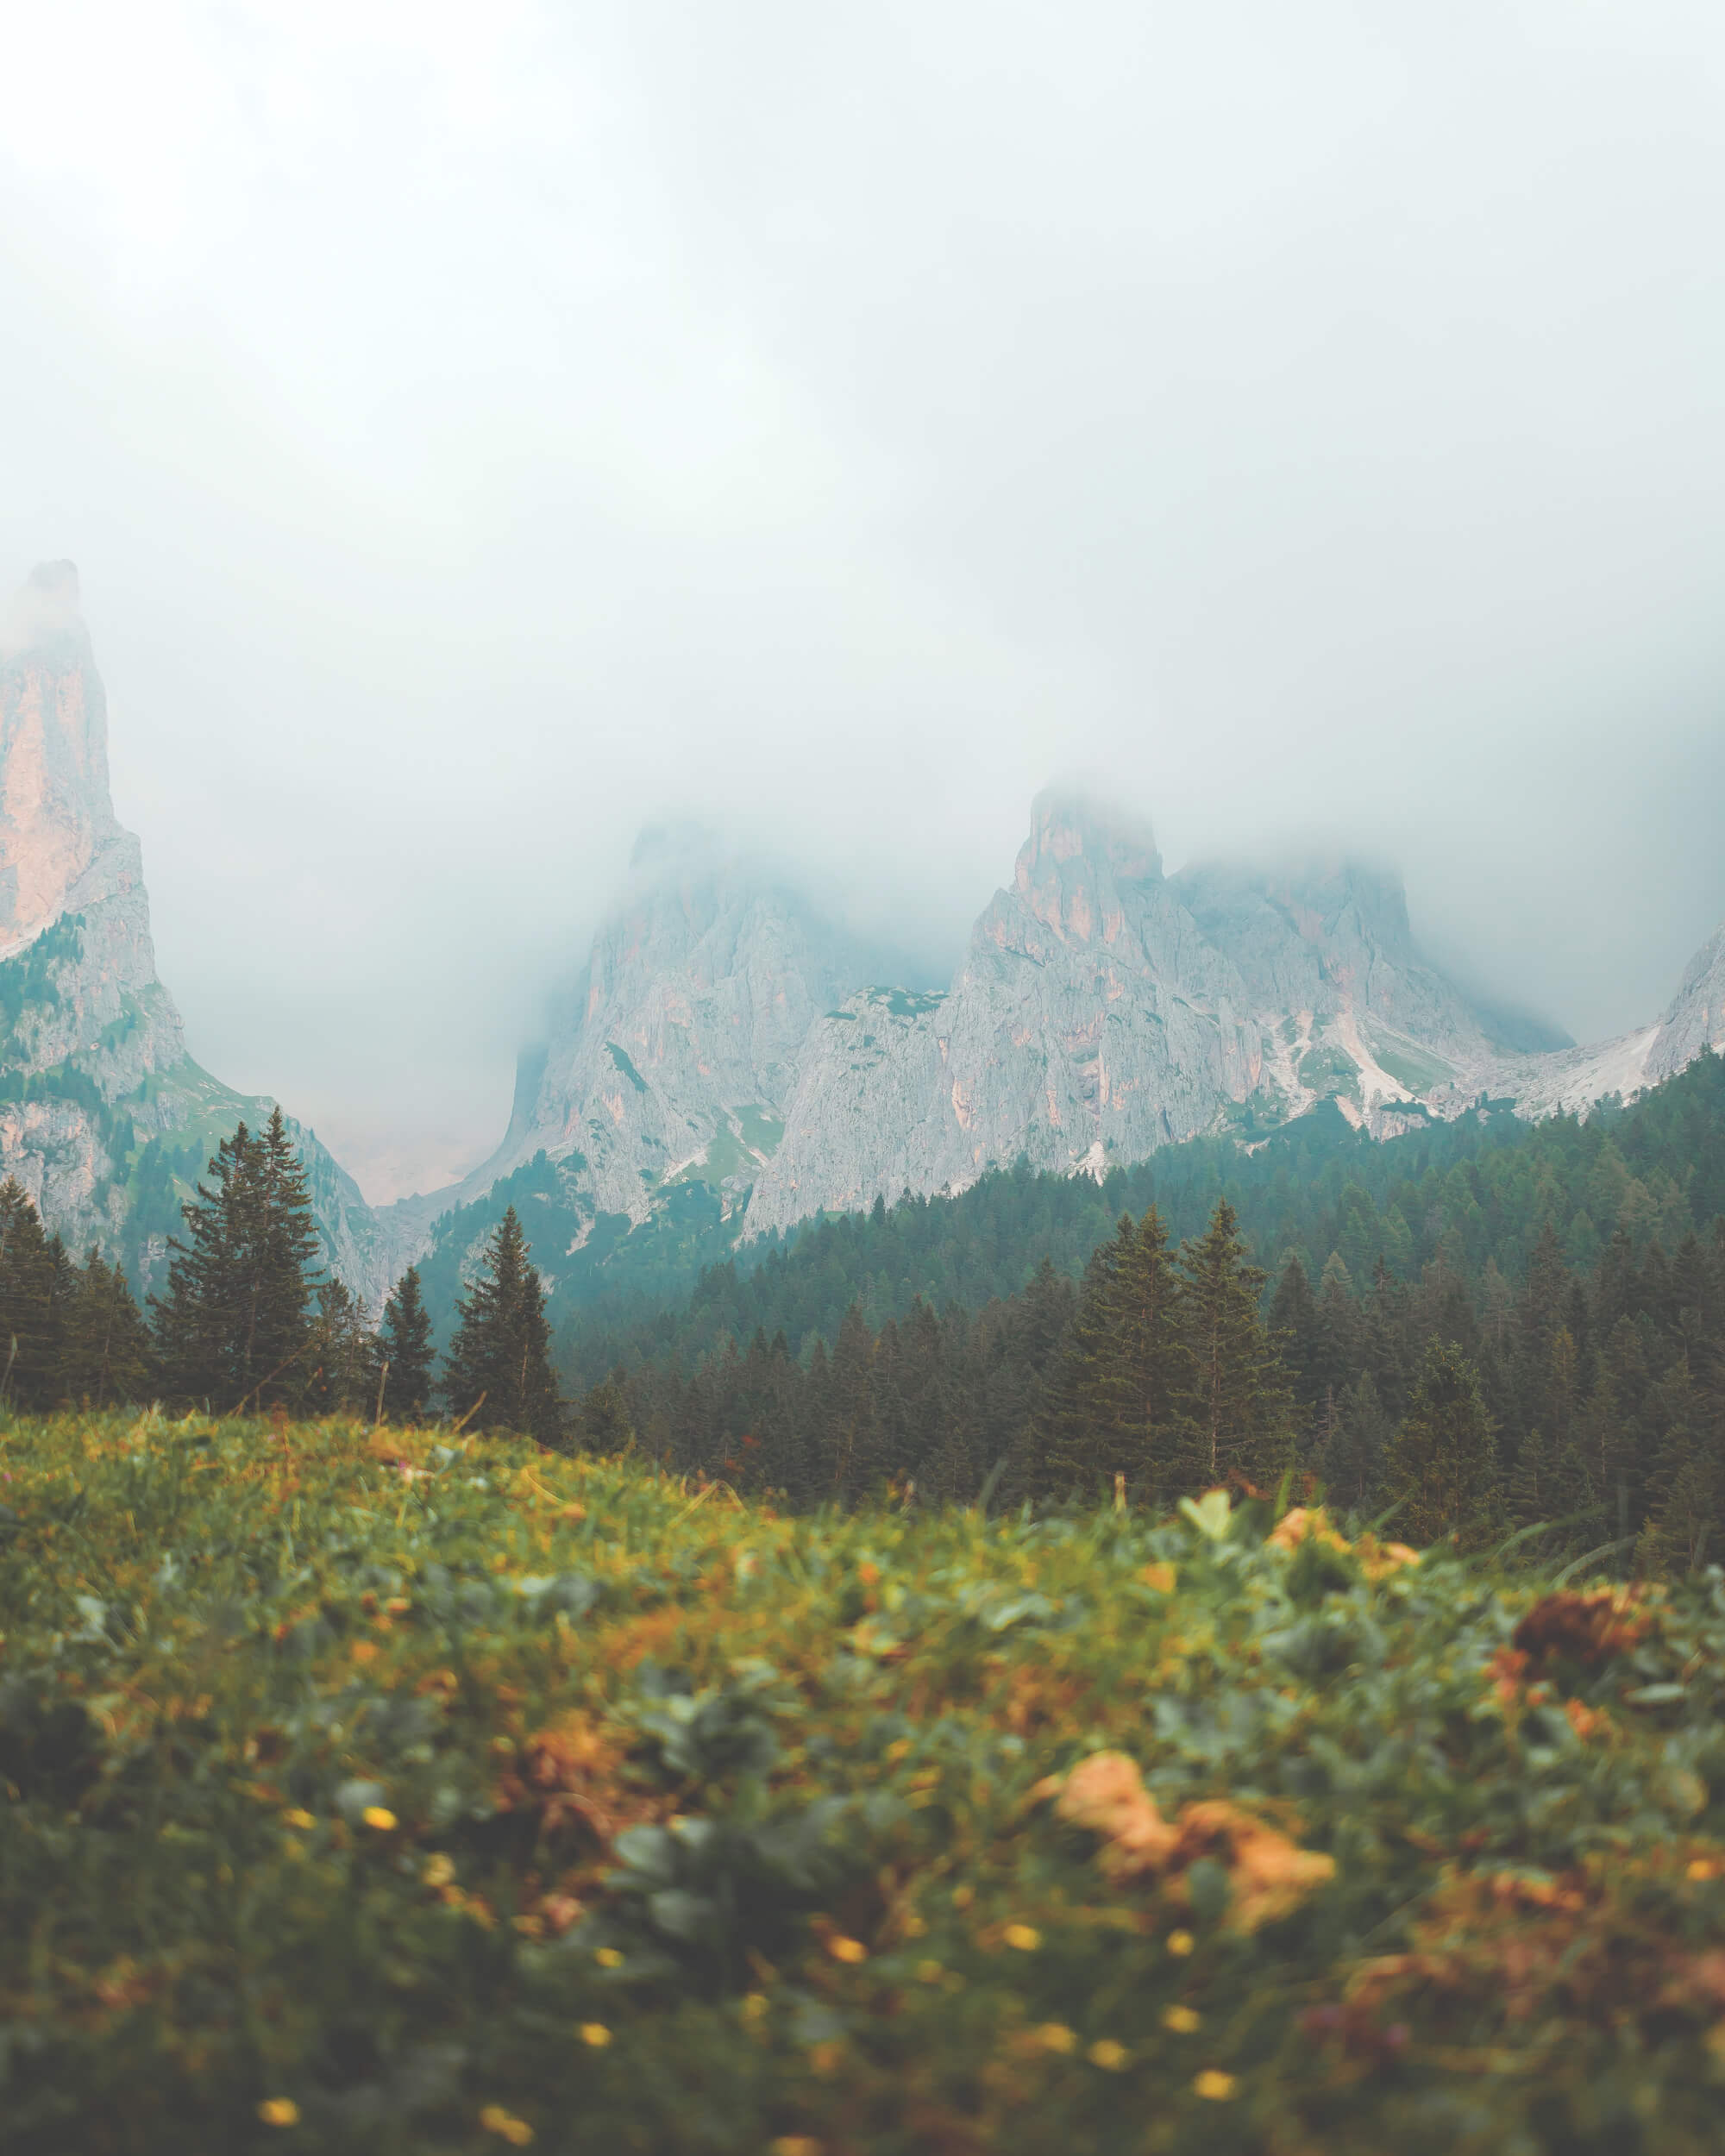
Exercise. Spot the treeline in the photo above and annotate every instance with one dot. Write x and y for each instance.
(248, 1322)
(1473, 1194)
(1591, 1399)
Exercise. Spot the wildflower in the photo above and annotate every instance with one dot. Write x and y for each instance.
(1055, 2036)
(1213, 2085)
(608, 1958)
(440, 1868)
(301, 1820)
(278, 2111)
(1159, 1578)
(842, 1949)
(1703, 1868)
(1181, 1942)
(495, 2120)
(595, 2034)
(381, 1817)
(1181, 2019)
(754, 2004)
(1108, 2055)
(1024, 1937)
(824, 2057)
(793, 2145)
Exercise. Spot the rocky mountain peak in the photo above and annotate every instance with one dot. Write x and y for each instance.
(1075, 870)
(57, 827)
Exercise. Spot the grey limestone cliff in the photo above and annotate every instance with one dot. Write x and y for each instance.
(104, 1119)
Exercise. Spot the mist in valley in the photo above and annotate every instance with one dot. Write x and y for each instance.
(483, 436)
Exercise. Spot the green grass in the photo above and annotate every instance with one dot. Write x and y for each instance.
(431, 1798)
(1407, 1065)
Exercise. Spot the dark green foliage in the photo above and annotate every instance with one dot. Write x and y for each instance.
(406, 1346)
(1240, 1423)
(32, 1292)
(340, 1359)
(498, 1373)
(1121, 1402)
(234, 1324)
(1351, 1458)
(108, 1354)
(1444, 1458)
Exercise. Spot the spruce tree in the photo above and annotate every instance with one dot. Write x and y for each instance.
(341, 1356)
(498, 1369)
(1240, 1409)
(109, 1355)
(32, 1304)
(233, 1326)
(1350, 1460)
(406, 1345)
(1444, 1457)
(1118, 1405)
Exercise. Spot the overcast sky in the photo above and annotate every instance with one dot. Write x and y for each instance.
(483, 430)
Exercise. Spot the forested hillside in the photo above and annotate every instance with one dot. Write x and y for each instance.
(1576, 1272)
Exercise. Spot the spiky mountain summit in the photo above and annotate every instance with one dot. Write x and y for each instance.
(104, 1119)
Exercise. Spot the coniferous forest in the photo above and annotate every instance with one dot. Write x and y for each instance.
(1491, 1325)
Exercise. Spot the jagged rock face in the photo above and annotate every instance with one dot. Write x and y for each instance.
(682, 1044)
(1695, 1021)
(92, 1054)
(1102, 1011)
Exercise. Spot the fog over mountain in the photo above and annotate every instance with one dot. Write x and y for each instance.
(481, 433)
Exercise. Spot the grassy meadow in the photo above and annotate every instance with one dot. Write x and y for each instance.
(383, 1792)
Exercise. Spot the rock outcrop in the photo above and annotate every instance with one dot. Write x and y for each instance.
(104, 1119)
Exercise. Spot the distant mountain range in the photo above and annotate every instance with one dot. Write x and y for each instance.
(733, 1059)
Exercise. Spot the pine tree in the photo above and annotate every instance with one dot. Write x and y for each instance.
(1444, 1457)
(1239, 1410)
(406, 1346)
(1351, 1459)
(1118, 1406)
(109, 1355)
(498, 1370)
(342, 1355)
(32, 1304)
(234, 1326)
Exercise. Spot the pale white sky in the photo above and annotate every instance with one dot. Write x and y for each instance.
(482, 431)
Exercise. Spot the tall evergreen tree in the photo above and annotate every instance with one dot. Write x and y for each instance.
(234, 1325)
(109, 1355)
(342, 1355)
(406, 1345)
(498, 1370)
(1119, 1403)
(1444, 1457)
(1240, 1408)
(1351, 1458)
(32, 1304)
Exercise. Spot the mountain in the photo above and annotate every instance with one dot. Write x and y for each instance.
(104, 1118)
(731, 1064)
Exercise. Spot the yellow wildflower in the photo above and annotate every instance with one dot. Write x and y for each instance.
(596, 2034)
(929, 1972)
(1181, 1942)
(608, 1958)
(843, 1949)
(1107, 2054)
(1055, 2036)
(1213, 2085)
(754, 2004)
(299, 1819)
(1024, 1937)
(380, 1816)
(1181, 2019)
(793, 2145)
(278, 2111)
(495, 2120)
(824, 2057)
(440, 1868)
